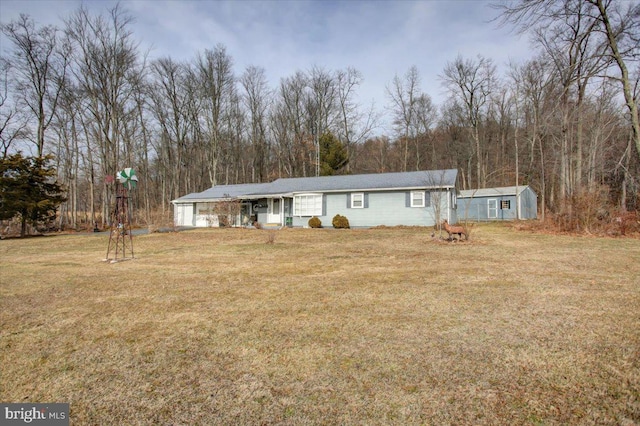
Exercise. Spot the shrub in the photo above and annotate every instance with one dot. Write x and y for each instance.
(314, 222)
(340, 222)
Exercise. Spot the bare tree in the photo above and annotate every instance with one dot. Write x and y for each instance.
(289, 121)
(216, 80)
(471, 83)
(403, 94)
(105, 68)
(585, 40)
(457, 152)
(622, 29)
(13, 125)
(320, 105)
(235, 143)
(67, 127)
(169, 108)
(257, 102)
(39, 63)
(424, 117)
(570, 44)
(353, 126)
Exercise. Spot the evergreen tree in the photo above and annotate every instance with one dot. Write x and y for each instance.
(28, 189)
(333, 155)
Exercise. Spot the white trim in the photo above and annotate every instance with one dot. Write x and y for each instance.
(489, 208)
(274, 216)
(360, 195)
(422, 196)
(307, 210)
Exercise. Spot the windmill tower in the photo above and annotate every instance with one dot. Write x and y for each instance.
(120, 238)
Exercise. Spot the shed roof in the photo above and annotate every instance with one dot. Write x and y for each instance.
(364, 182)
(492, 192)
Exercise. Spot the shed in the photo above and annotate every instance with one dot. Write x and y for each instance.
(504, 203)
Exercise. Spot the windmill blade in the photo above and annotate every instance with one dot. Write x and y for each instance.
(128, 178)
(121, 176)
(131, 183)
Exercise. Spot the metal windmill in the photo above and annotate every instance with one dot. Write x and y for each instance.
(120, 237)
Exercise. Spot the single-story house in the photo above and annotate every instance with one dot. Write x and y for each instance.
(419, 198)
(506, 203)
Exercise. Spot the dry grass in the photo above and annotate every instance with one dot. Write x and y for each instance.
(381, 326)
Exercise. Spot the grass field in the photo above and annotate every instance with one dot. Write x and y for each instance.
(378, 326)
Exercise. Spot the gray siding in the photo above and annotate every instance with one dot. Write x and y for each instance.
(529, 204)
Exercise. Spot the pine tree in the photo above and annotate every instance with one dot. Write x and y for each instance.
(28, 190)
(333, 155)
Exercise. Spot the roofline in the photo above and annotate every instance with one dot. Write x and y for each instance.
(293, 193)
(473, 192)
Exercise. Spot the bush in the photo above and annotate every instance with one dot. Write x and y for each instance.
(340, 222)
(314, 222)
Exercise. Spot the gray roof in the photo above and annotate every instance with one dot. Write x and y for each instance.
(367, 182)
(492, 192)
(223, 192)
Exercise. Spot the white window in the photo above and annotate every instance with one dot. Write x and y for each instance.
(357, 200)
(307, 205)
(417, 198)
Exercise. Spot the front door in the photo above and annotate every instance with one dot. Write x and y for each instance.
(274, 207)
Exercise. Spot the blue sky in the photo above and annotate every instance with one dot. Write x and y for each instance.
(379, 38)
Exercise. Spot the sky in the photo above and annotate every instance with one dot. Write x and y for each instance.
(380, 39)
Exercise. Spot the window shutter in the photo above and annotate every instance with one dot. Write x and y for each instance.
(427, 199)
(348, 201)
(324, 205)
(407, 199)
(366, 200)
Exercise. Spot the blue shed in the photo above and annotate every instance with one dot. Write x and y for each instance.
(505, 203)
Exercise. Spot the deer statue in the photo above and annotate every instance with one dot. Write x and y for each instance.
(454, 230)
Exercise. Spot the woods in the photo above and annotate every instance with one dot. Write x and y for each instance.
(564, 122)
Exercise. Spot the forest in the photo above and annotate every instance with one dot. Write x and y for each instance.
(564, 121)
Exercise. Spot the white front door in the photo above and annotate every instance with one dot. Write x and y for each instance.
(492, 212)
(274, 208)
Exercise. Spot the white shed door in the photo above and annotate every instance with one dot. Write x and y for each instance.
(492, 206)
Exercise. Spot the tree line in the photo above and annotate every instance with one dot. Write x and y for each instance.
(564, 121)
